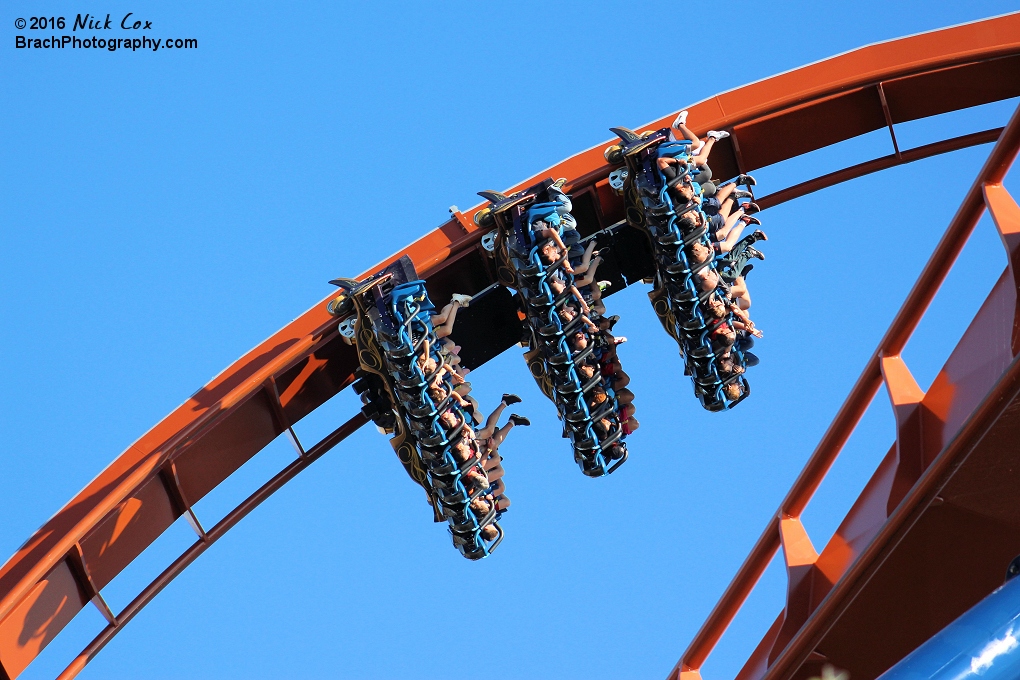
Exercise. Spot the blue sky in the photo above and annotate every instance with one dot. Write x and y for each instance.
(162, 213)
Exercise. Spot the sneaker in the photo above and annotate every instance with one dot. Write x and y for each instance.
(750, 208)
(603, 285)
(560, 182)
(740, 193)
(518, 420)
(748, 219)
(746, 180)
(681, 119)
(759, 235)
(754, 252)
(464, 300)
(717, 134)
(511, 399)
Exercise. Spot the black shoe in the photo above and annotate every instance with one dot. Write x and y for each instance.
(519, 420)
(746, 180)
(754, 252)
(511, 399)
(750, 208)
(746, 270)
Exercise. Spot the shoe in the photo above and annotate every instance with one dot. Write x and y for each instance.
(464, 300)
(518, 420)
(759, 235)
(750, 208)
(717, 134)
(603, 285)
(746, 270)
(511, 399)
(681, 119)
(740, 193)
(560, 182)
(754, 252)
(749, 219)
(746, 180)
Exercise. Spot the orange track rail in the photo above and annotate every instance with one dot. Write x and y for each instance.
(69, 560)
(958, 410)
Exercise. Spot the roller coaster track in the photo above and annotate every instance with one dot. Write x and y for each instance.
(950, 470)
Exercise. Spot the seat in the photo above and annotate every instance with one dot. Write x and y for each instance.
(679, 269)
(550, 331)
(409, 384)
(570, 389)
(578, 416)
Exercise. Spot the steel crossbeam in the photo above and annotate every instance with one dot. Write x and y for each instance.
(816, 597)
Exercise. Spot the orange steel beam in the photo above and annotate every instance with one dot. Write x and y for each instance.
(849, 415)
(272, 387)
(214, 534)
(877, 165)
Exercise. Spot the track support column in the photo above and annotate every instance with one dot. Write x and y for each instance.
(1006, 215)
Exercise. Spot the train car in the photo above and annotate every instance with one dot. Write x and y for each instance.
(409, 390)
(691, 278)
(571, 351)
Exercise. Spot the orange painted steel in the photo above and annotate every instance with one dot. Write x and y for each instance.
(159, 478)
(206, 539)
(846, 567)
